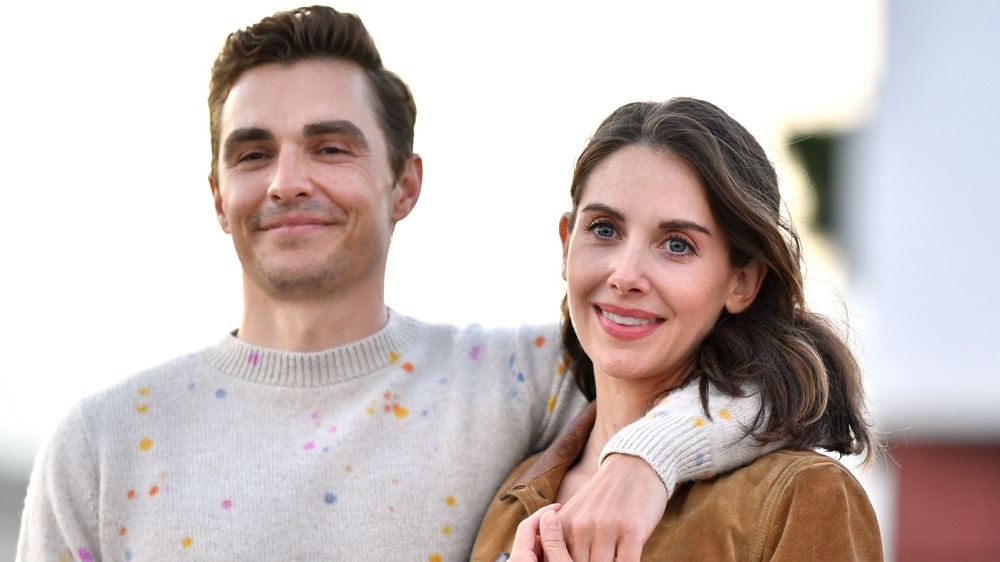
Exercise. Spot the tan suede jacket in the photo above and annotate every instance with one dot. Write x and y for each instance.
(788, 505)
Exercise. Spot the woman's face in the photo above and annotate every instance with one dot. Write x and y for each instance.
(647, 267)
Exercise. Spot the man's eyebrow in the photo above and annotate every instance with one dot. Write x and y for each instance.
(246, 134)
(665, 225)
(337, 127)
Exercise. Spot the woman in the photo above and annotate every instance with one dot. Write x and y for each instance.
(681, 270)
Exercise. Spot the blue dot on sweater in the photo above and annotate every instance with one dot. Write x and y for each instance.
(220, 394)
(700, 458)
(128, 555)
(330, 498)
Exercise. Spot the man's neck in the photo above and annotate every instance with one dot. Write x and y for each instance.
(310, 324)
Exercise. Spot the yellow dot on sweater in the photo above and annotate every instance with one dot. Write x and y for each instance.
(446, 530)
(450, 501)
(142, 408)
(393, 357)
(400, 411)
(143, 391)
(186, 542)
(552, 403)
(724, 414)
(699, 422)
(435, 558)
(146, 444)
(561, 369)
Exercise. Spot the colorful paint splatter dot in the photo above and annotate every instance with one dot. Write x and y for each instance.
(227, 504)
(128, 555)
(520, 377)
(220, 394)
(699, 422)
(254, 358)
(446, 530)
(552, 403)
(309, 446)
(186, 542)
(393, 357)
(191, 386)
(122, 531)
(435, 558)
(332, 429)
(143, 391)
(85, 555)
(724, 414)
(450, 501)
(142, 408)
(400, 411)
(330, 498)
(408, 367)
(131, 494)
(700, 458)
(146, 444)
(539, 341)
(153, 490)
(348, 468)
(474, 353)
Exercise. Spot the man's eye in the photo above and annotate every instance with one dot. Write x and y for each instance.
(250, 156)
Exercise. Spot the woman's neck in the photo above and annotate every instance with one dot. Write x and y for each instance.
(619, 402)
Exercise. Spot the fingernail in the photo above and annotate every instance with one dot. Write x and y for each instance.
(550, 520)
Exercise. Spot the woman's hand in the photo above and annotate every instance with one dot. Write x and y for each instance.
(540, 537)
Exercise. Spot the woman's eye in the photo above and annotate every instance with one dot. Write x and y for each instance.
(604, 230)
(677, 246)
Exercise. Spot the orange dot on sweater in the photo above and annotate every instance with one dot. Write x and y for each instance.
(131, 494)
(539, 341)
(122, 531)
(724, 414)
(408, 367)
(434, 558)
(446, 530)
(146, 444)
(387, 396)
(400, 411)
(552, 403)
(154, 489)
(450, 501)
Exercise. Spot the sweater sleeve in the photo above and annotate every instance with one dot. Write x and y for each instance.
(60, 515)
(682, 444)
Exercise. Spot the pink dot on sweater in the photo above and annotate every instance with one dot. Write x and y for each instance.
(226, 504)
(254, 358)
(474, 354)
(85, 555)
(309, 446)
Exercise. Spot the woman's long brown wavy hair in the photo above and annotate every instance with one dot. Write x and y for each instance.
(809, 380)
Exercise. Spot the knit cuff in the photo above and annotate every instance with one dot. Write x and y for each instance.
(681, 443)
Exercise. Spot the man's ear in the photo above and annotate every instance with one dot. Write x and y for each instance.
(407, 189)
(220, 213)
(564, 227)
(747, 282)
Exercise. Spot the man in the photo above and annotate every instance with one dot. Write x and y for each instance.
(328, 426)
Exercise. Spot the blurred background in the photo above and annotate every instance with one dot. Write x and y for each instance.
(881, 117)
